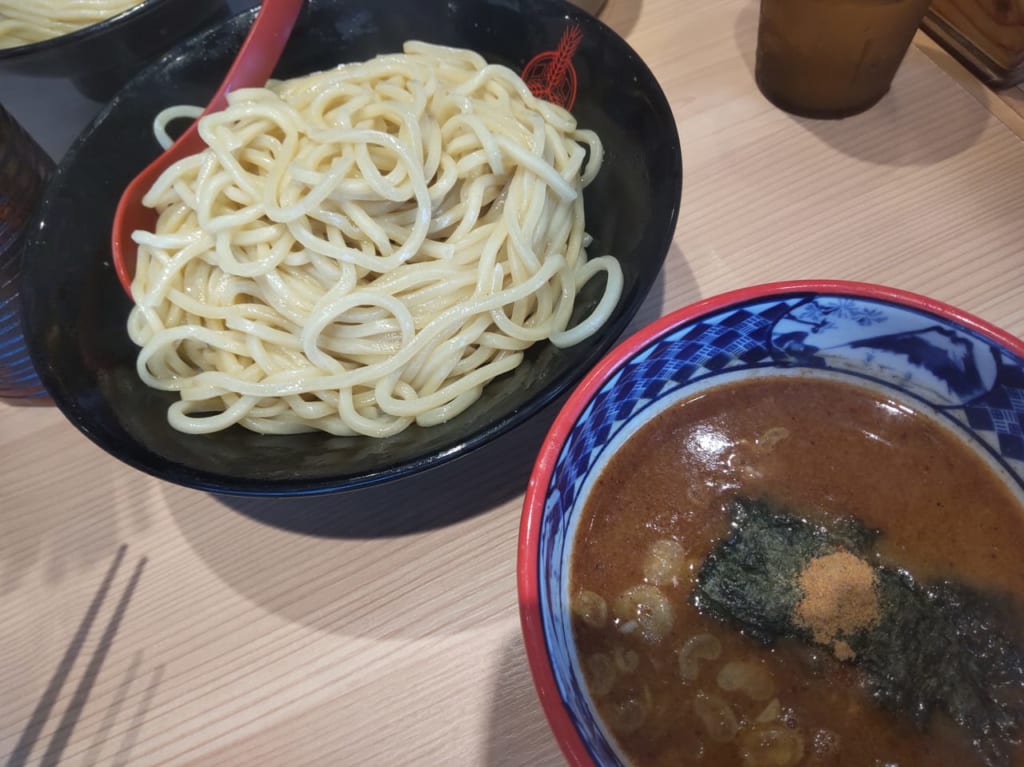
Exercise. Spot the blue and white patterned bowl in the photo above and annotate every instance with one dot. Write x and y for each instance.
(956, 366)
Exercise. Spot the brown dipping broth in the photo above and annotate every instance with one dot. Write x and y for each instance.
(818, 447)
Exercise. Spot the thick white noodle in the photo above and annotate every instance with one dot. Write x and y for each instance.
(365, 248)
(30, 21)
(169, 115)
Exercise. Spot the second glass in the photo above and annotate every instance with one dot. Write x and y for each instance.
(832, 58)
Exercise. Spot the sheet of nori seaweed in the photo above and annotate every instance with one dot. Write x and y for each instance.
(751, 578)
(941, 647)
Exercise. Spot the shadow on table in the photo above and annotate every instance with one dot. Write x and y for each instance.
(49, 537)
(517, 731)
(100, 647)
(901, 129)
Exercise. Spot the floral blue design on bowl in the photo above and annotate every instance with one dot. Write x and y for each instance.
(941, 364)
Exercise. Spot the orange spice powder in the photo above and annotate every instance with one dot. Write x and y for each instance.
(840, 597)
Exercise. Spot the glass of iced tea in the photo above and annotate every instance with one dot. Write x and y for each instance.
(832, 58)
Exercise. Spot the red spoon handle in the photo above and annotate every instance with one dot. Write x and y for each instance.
(256, 59)
(252, 67)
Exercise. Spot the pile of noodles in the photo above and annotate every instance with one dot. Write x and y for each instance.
(365, 248)
(30, 21)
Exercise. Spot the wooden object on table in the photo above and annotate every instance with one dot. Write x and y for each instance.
(987, 35)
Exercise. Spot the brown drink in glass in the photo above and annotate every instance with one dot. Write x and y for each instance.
(832, 58)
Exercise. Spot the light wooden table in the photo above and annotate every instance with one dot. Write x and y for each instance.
(148, 624)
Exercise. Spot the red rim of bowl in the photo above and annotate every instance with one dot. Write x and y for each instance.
(565, 732)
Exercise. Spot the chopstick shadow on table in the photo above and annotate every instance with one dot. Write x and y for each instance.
(909, 126)
(47, 703)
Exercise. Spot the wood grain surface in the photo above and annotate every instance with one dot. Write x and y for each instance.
(147, 624)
